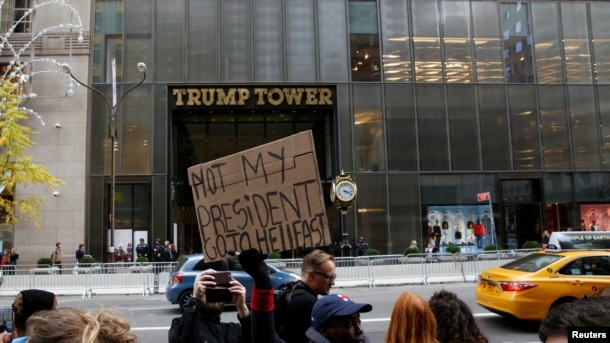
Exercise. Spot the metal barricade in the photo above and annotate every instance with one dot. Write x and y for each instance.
(17, 279)
(119, 278)
(470, 268)
(130, 278)
(353, 271)
(446, 268)
(397, 269)
(150, 277)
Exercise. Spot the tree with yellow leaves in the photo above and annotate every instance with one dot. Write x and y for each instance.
(16, 167)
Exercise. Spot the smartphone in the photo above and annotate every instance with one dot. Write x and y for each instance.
(6, 319)
(219, 293)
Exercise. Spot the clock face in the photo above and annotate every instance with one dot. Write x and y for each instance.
(346, 191)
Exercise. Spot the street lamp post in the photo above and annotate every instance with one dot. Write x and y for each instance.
(112, 134)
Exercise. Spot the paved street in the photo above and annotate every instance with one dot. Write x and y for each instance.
(150, 316)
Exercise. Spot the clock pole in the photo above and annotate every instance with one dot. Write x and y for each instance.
(343, 193)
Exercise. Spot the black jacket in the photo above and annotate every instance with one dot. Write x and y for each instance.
(264, 326)
(195, 327)
(142, 249)
(298, 314)
(316, 337)
(170, 255)
(158, 250)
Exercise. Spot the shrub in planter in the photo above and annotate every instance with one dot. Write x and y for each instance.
(411, 250)
(86, 262)
(452, 248)
(371, 252)
(142, 259)
(531, 245)
(274, 255)
(492, 247)
(44, 262)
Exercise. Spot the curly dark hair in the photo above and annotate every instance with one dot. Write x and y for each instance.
(455, 321)
(584, 312)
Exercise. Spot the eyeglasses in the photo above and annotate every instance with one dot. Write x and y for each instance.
(326, 276)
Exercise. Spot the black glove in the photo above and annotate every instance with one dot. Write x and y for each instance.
(254, 264)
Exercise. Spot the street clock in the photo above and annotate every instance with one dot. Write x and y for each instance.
(343, 192)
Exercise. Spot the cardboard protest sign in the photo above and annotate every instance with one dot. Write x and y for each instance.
(268, 197)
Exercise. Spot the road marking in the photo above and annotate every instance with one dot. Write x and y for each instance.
(488, 314)
(371, 320)
(165, 328)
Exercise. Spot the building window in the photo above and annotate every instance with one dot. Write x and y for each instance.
(457, 44)
(132, 206)
(396, 41)
(108, 40)
(517, 44)
(364, 41)
(14, 18)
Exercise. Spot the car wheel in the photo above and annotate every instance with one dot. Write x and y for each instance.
(184, 299)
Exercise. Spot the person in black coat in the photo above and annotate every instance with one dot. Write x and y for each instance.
(142, 249)
(158, 255)
(11, 260)
(169, 252)
(200, 321)
(436, 231)
(158, 251)
(334, 318)
(318, 273)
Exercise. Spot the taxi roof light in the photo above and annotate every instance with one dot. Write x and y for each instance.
(578, 240)
(516, 286)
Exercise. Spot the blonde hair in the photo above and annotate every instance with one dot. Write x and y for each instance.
(73, 325)
(314, 260)
(412, 321)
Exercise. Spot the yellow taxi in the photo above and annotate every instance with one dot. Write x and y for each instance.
(575, 264)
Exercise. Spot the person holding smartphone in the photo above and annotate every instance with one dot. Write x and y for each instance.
(200, 321)
(26, 303)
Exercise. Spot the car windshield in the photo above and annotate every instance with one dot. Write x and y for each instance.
(532, 262)
(216, 265)
(199, 264)
(181, 261)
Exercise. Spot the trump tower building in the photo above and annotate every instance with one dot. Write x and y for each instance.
(444, 112)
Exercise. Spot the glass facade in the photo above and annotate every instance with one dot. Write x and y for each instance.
(436, 101)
